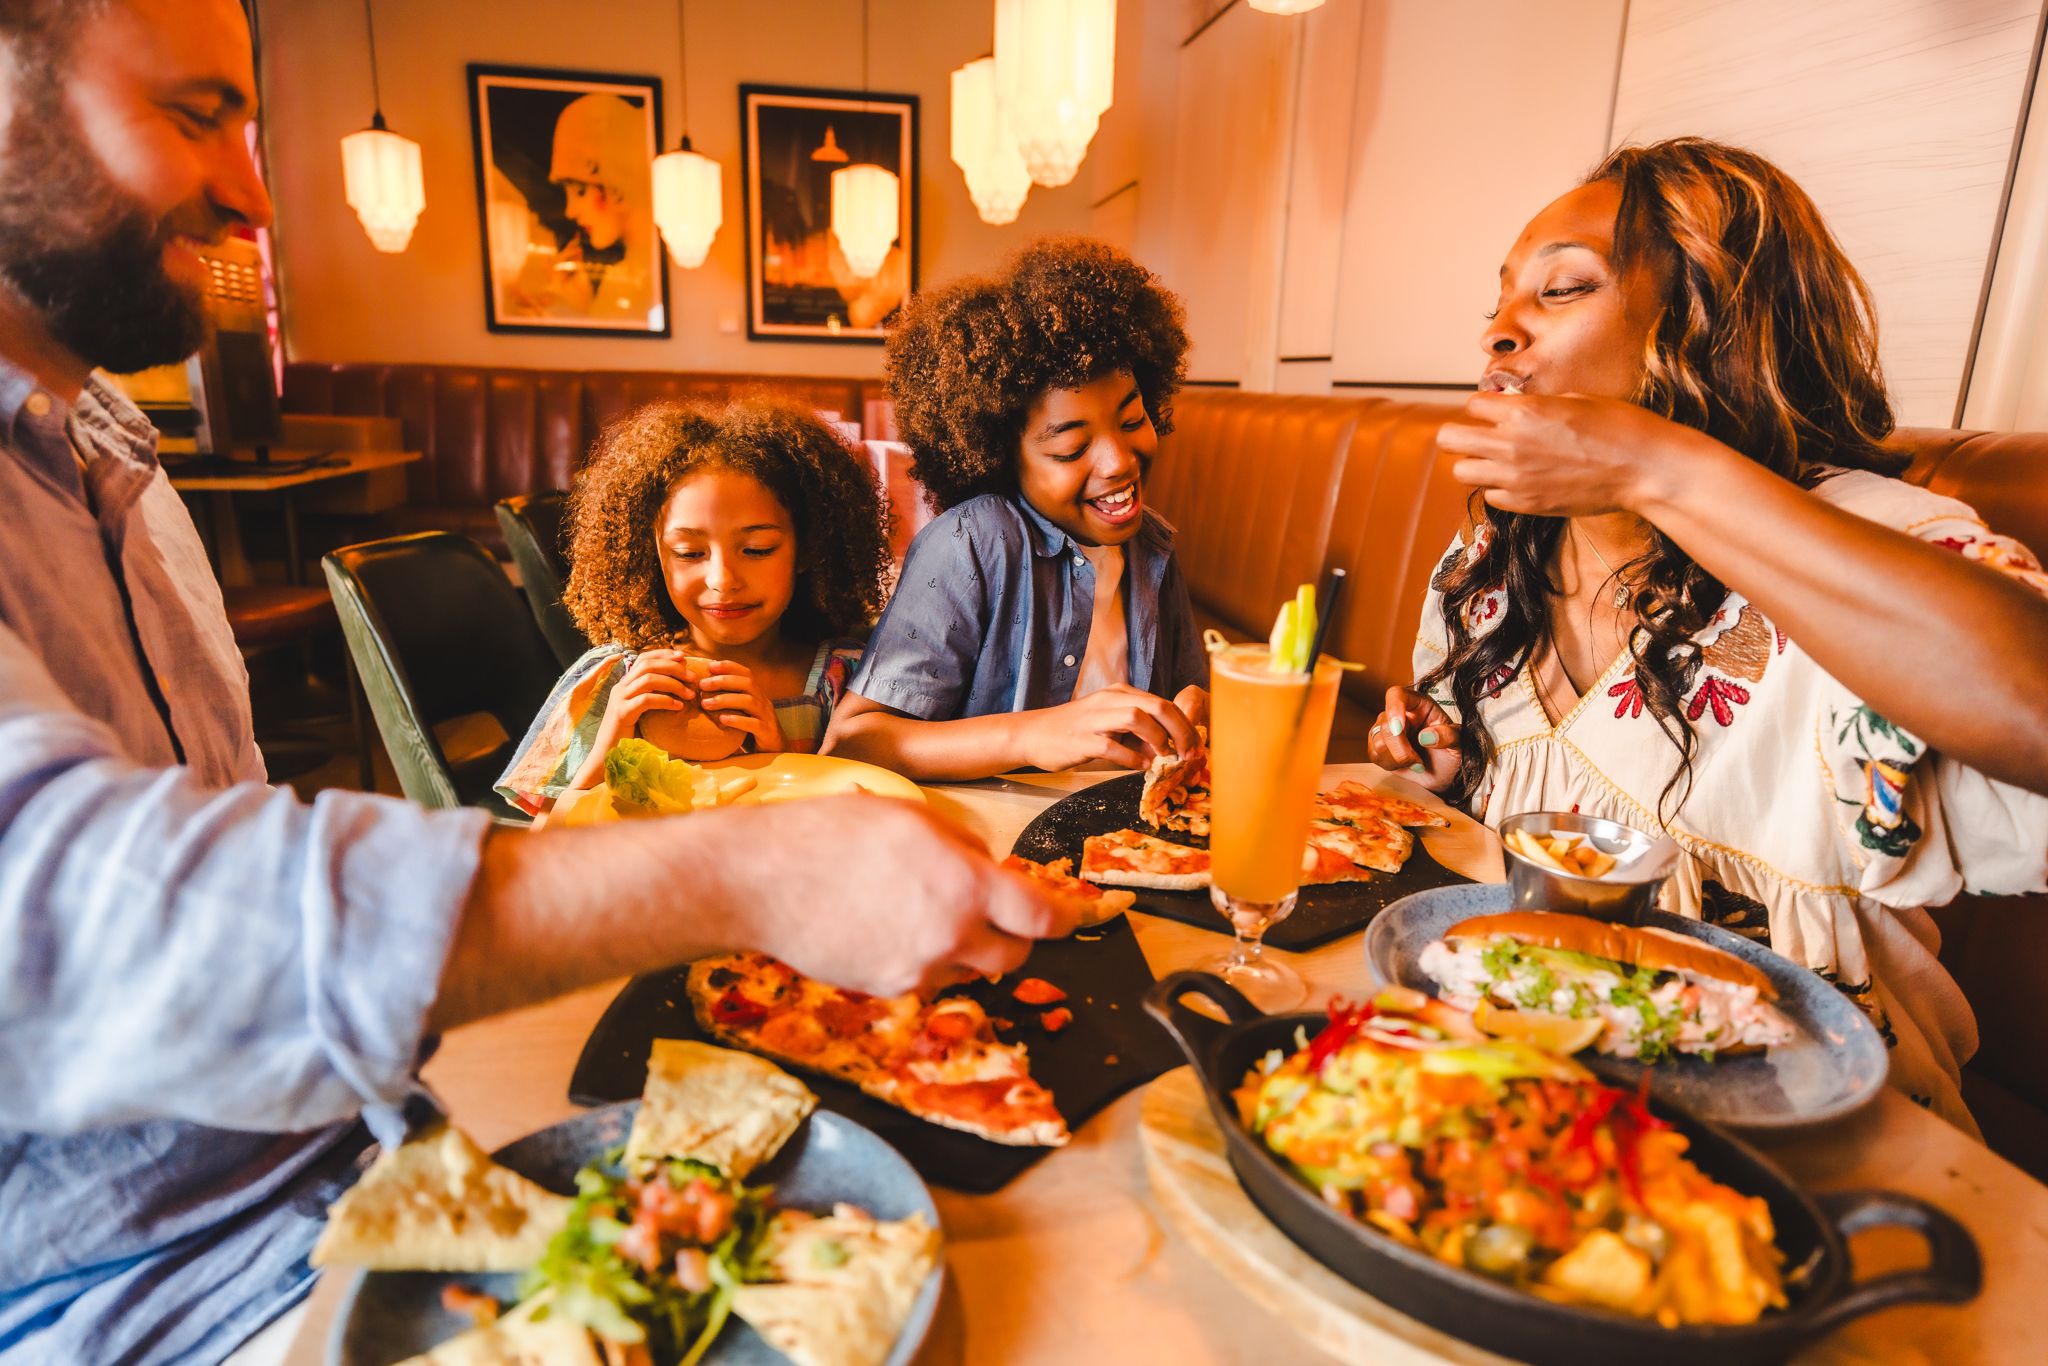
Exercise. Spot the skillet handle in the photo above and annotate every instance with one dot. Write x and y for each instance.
(1193, 1031)
(1954, 1272)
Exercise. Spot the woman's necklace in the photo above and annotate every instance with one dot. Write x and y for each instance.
(1620, 588)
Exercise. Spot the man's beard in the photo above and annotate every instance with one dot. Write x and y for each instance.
(84, 254)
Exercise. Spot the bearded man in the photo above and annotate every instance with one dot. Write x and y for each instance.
(212, 993)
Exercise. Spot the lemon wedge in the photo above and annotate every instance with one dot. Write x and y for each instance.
(1559, 1034)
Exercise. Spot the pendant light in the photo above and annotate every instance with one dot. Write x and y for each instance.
(983, 149)
(1055, 78)
(689, 203)
(380, 171)
(866, 199)
(1285, 6)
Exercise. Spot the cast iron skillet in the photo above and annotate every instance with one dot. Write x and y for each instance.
(1811, 1229)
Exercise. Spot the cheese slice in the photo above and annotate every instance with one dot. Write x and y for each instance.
(438, 1203)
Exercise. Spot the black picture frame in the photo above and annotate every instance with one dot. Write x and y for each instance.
(793, 297)
(565, 283)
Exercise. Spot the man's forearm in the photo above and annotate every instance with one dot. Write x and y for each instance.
(554, 911)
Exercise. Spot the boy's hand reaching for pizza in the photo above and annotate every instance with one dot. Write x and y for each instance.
(1119, 723)
(1417, 739)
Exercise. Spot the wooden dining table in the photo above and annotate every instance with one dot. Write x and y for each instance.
(1078, 1260)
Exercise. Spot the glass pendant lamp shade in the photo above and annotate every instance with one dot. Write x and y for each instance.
(381, 178)
(688, 204)
(1055, 77)
(866, 215)
(997, 179)
(1285, 6)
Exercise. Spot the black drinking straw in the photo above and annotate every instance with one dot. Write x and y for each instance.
(1326, 611)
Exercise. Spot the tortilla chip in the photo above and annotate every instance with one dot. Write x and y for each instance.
(438, 1203)
(718, 1105)
(518, 1339)
(847, 1285)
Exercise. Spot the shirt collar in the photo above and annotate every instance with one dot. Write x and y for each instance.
(32, 421)
(1050, 540)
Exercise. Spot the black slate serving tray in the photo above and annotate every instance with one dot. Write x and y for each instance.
(1110, 1047)
(1321, 914)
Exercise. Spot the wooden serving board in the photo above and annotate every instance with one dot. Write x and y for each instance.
(1199, 1195)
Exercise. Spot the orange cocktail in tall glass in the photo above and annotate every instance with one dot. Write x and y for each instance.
(1268, 733)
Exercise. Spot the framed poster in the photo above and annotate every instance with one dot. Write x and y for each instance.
(564, 197)
(799, 285)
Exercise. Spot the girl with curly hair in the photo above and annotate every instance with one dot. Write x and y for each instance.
(1041, 619)
(722, 557)
(1696, 600)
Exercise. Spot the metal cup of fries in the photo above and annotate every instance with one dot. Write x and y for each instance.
(1584, 865)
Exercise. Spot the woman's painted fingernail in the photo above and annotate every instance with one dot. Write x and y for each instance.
(1426, 738)
(1394, 725)
(1417, 768)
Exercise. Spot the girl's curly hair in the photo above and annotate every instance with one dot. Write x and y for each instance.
(1765, 339)
(616, 591)
(965, 362)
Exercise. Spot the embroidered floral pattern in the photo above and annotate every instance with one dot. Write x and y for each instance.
(1864, 994)
(1722, 695)
(1734, 912)
(1631, 694)
(1498, 680)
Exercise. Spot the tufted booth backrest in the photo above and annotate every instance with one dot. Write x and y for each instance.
(489, 433)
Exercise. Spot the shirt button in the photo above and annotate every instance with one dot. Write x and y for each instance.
(38, 405)
(1079, 560)
(1070, 661)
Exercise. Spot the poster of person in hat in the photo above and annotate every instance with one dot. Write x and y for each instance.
(565, 201)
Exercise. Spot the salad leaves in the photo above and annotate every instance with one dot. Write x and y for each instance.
(655, 1257)
(644, 781)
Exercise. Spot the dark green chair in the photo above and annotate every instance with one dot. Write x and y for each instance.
(438, 632)
(532, 523)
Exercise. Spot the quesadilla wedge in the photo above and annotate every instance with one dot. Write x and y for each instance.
(438, 1203)
(718, 1105)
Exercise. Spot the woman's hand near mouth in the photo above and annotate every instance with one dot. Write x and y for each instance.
(734, 700)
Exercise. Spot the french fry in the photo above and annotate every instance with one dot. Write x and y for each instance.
(733, 789)
(1529, 847)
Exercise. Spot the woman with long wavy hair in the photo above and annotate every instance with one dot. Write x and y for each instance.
(1695, 597)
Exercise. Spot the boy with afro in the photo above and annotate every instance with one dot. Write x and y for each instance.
(1041, 620)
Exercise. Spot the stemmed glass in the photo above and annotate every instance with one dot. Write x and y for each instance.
(1268, 733)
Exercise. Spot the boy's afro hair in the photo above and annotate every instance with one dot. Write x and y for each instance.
(966, 361)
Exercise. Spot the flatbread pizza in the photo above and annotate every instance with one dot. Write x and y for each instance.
(1131, 858)
(938, 1060)
(1059, 882)
(1353, 803)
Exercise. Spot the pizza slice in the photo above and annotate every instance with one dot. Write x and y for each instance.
(1381, 847)
(1129, 858)
(1353, 803)
(718, 1105)
(439, 1203)
(1057, 878)
(843, 1285)
(939, 1060)
(1176, 791)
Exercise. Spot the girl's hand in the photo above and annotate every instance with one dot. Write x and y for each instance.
(656, 681)
(1415, 738)
(1565, 456)
(734, 700)
(1117, 723)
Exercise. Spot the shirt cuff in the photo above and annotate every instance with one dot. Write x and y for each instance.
(910, 700)
(381, 919)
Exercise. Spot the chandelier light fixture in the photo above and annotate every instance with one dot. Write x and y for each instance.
(1055, 78)
(983, 149)
(380, 171)
(1284, 6)
(689, 201)
(866, 199)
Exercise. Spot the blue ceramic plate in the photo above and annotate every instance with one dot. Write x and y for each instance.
(387, 1316)
(1836, 1063)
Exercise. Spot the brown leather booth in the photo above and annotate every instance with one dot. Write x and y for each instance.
(488, 433)
(1266, 489)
